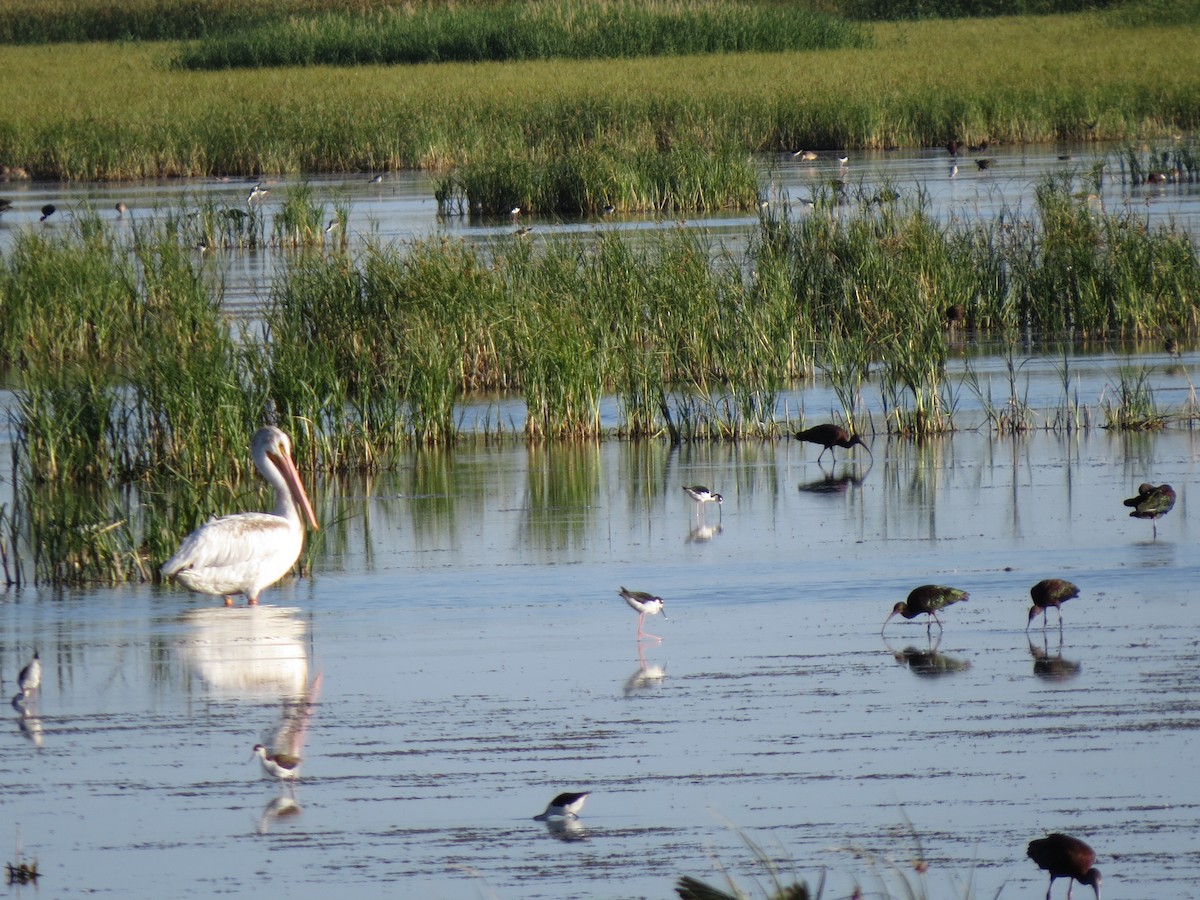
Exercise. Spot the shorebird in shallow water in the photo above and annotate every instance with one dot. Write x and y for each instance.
(1051, 592)
(926, 600)
(1067, 857)
(564, 806)
(278, 765)
(702, 495)
(1152, 502)
(28, 680)
(644, 605)
(829, 436)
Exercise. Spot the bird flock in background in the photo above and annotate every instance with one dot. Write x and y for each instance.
(246, 552)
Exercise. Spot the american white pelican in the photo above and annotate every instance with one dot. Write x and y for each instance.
(246, 552)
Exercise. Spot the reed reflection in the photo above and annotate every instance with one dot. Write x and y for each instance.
(927, 662)
(1052, 666)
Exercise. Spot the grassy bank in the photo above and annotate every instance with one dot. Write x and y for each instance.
(108, 112)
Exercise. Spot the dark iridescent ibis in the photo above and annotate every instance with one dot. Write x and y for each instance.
(643, 604)
(47, 211)
(984, 163)
(1066, 857)
(1051, 592)
(829, 436)
(1152, 502)
(926, 600)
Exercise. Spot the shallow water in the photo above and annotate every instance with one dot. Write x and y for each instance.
(468, 658)
(401, 207)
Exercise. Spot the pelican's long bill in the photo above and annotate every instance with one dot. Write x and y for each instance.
(283, 461)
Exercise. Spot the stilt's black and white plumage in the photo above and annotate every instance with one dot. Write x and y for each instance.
(702, 495)
(278, 765)
(644, 605)
(564, 806)
(29, 679)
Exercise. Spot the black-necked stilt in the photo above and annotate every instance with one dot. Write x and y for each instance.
(258, 194)
(47, 211)
(643, 604)
(121, 209)
(842, 160)
(30, 677)
(377, 179)
(829, 436)
(333, 224)
(278, 765)
(926, 600)
(564, 806)
(702, 495)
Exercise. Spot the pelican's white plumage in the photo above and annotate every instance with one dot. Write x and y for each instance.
(246, 552)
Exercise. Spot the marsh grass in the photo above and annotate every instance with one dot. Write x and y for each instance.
(1129, 405)
(576, 29)
(96, 112)
(587, 181)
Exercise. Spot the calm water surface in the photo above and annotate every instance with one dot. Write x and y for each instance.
(402, 207)
(459, 655)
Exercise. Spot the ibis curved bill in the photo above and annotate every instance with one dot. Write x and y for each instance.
(926, 600)
(247, 552)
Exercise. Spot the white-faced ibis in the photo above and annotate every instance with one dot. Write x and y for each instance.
(644, 605)
(1066, 857)
(47, 211)
(984, 163)
(1152, 502)
(926, 600)
(121, 209)
(952, 147)
(1050, 592)
(564, 806)
(829, 436)
(702, 495)
(278, 765)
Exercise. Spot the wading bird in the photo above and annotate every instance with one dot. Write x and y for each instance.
(47, 211)
(28, 680)
(984, 163)
(246, 552)
(121, 209)
(1051, 592)
(1066, 857)
(702, 495)
(644, 605)
(830, 436)
(1152, 502)
(278, 765)
(927, 600)
(564, 806)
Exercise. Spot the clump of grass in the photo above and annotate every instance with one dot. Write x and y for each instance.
(576, 29)
(1131, 406)
(589, 180)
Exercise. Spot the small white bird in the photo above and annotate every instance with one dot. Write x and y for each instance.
(247, 552)
(278, 765)
(258, 195)
(644, 605)
(564, 806)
